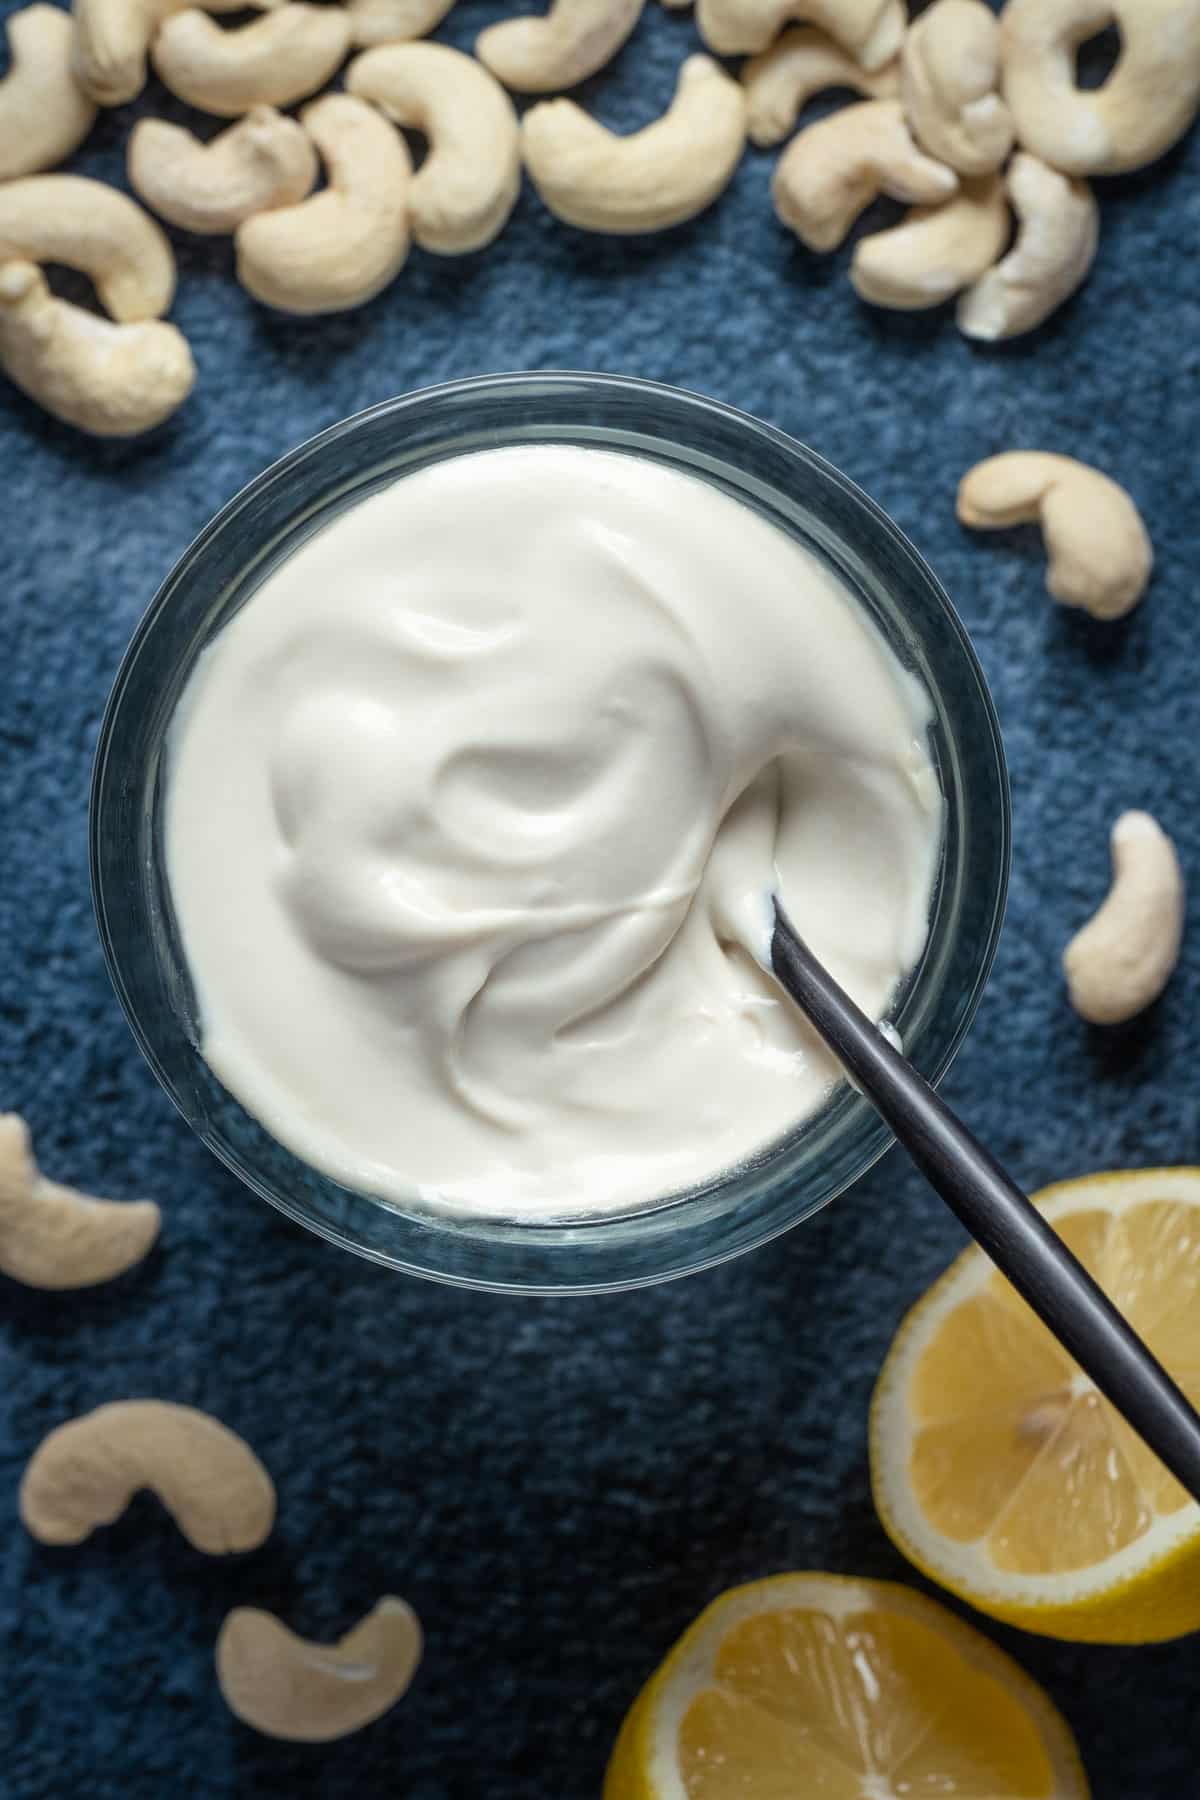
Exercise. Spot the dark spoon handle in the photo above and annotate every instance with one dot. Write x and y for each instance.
(998, 1215)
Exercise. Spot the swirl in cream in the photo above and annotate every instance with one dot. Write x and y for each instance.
(466, 807)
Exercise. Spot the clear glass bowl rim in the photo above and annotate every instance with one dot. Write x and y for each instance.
(545, 1250)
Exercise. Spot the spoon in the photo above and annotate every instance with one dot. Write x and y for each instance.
(999, 1216)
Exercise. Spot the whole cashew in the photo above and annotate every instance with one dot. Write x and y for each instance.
(1055, 247)
(562, 48)
(831, 171)
(265, 160)
(273, 62)
(94, 228)
(871, 30)
(1100, 556)
(52, 1236)
(1124, 957)
(781, 81)
(87, 1471)
(950, 86)
(110, 380)
(342, 246)
(287, 1687)
(935, 250)
(464, 191)
(112, 41)
(668, 172)
(44, 113)
(1143, 108)
(393, 21)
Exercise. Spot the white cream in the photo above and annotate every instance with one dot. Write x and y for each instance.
(473, 806)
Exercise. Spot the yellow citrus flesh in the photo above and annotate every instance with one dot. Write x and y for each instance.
(1000, 1471)
(835, 1689)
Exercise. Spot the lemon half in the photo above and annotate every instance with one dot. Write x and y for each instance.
(1000, 1471)
(833, 1689)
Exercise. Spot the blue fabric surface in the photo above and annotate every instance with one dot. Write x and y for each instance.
(559, 1487)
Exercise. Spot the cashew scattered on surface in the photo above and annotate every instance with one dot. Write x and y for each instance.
(94, 228)
(112, 41)
(44, 113)
(560, 49)
(781, 81)
(52, 1236)
(935, 251)
(265, 160)
(288, 1687)
(1124, 957)
(86, 1472)
(464, 191)
(1100, 556)
(1143, 108)
(950, 85)
(110, 380)
(393, 21)
(668, 172)
(274, 61)
(1055, 247)
(871, 30)
(831, 171)
(343, 245)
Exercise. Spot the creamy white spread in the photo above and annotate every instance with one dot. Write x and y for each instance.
(473, 815)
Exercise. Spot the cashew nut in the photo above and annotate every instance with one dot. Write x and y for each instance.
(781, 81)
(111, 380)
(52, 1236)
(287, 1687)
(94, 228)
(1125, 955)
(87, 1471)
(871, 30)
(831, 171)
(935, 250)
(560, 49)
(1055, 247)
(1100, 555)
(265, 160)
(1143, 108)
(44, 113)
(464, 191)
(393, 21)
(950, 85)
(273, 62)
(343, 245)
(112, 41)
(657, 177)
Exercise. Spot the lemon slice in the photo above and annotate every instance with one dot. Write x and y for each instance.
(1001, 1472)
(831, 1689)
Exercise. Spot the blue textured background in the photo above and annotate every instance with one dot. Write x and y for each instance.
(559, 1487)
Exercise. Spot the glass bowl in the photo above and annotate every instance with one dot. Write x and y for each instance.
(758, 465)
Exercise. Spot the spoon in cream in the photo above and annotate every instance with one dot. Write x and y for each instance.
(999, 1216)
